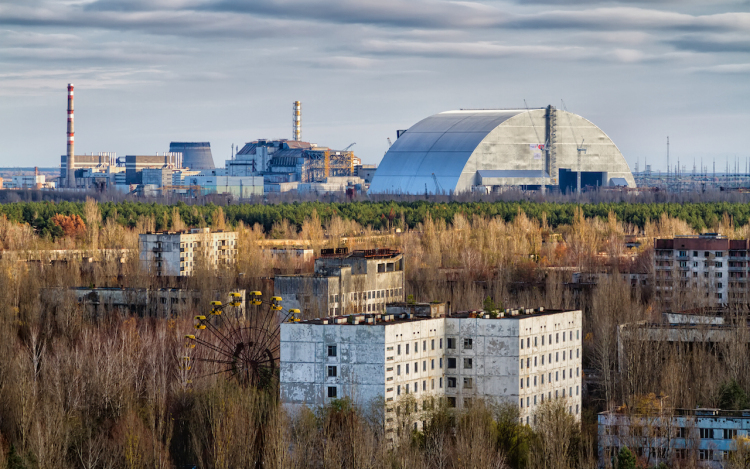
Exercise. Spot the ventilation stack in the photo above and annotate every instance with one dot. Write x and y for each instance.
(296, 122)
(70, 172)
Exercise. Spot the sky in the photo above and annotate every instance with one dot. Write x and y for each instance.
(148, 72)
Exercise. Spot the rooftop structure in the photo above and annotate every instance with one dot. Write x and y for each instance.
(345, 282)
(424, 352)
(468, 150)
(172, 253)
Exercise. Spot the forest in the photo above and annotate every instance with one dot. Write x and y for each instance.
(88, 391)
(376, 215)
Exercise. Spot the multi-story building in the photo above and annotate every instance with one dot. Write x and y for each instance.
(172, 253)
(524, 357)
(704, 270)
(674, 436)
(346, 282)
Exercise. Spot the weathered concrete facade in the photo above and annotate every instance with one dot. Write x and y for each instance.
(345, 283)
(674, 436)
(524, 358)
(178, 253)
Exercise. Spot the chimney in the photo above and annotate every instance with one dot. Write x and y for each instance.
(296, 122)
(70, 164)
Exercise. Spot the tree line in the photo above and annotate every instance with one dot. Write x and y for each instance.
(376, 215)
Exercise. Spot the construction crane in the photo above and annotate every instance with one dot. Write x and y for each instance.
(579, 148)
(350, 145)
(438, 189)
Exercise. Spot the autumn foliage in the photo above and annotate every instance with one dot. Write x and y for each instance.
(72, 225)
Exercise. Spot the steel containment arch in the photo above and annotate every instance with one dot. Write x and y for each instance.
(460, 151)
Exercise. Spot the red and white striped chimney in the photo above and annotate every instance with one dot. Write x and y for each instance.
(70, 164)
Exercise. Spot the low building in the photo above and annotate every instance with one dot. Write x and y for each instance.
(704, 270)
(292, 253)
(673, 436)
(172, 253)
(160, 303)
(418, 354)
(346, 282)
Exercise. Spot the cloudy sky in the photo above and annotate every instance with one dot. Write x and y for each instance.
(148, 72)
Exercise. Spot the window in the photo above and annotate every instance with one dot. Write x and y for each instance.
(534, 341)
(398, 369)
(706, 433)
(424, 345)
(468, 344)
(407, 349)
(432, 345)
(332, 392)
(468, 363)
(331, 350)
(451, 402)
(695, 253)
(331, 371)
(528, 362)
(468, 383)
(451, 382)
(534, 361)
(424, 365)
(563, 355)
(542, 340)
(451, 343)
(557, 356)
(682, 432)
(557, 338)
(535, 383)
(730, 433)
(578, 353)
(432, 364)
(521, 387)
(407, 369)
(557, 376)
(416, 347)
(441, 383)
(441, 363)
(578, 334)
(432, 384)
(719, 253)
(398, 349)
(563, 375)
(705, 454)
(528, 342)
(521, 344)
(424, 385)
(451, 363)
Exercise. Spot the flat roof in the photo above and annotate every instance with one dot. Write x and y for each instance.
(405, 317)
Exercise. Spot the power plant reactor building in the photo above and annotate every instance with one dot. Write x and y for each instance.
(468, 150)
(195, 155)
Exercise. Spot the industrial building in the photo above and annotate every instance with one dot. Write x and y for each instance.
(673, 436)
(345, 283)
(519, 356)
(488, 150)
(180, 253)
(195, 155)
(704, 270)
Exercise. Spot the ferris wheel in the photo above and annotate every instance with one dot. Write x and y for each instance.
(241, 343)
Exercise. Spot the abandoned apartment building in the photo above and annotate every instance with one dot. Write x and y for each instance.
(422, 351)
(345, 282)
(171, 253)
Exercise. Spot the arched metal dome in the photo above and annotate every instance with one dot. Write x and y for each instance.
(457, 151)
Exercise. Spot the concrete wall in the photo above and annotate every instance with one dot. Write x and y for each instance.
(359, 362)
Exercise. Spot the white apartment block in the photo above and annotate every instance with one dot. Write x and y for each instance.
(179, 253)
(524, 357)
(704, 270)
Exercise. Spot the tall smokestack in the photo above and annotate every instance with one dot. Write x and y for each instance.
(296, 122)
(70, 164)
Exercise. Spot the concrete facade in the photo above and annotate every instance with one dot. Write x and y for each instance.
(345, 283)
(462, 357)
(704, 270)
(677, 437)
(178, 253)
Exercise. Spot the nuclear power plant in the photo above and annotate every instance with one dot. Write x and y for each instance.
(453, 152)
(488, 150)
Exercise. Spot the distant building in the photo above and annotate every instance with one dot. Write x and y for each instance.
(135, 164)
(87, 161)
(346, 282)
(523, 357)
(161, 303)
(704, 270)
(673, 436)
(33, 181)
(195, 155)
(241, 187)
(179, 253)
(301, 254)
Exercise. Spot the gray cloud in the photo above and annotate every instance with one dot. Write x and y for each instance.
(710, 44)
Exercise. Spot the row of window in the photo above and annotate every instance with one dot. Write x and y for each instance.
(549, 359)
(369, 295)
(677, 432)
(705, 264)
(705, 254)
(549, 377)
(549, 341)
(414, 388)
(532, 400)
